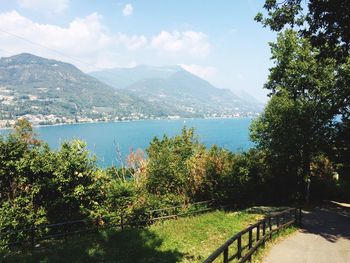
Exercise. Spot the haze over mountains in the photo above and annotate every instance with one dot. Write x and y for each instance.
(47, 91)
(175, 86)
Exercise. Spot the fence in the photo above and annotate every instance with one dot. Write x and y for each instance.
(31, 236)
(257, 233)
(177, 211)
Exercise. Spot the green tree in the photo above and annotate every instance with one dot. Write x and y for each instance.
(42, 186)
(325, 23)
(295, 124)
(325, 26)
(166, 168)
(71, 190)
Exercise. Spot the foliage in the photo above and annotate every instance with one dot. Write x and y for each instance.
(42, 186)
(206, 170)
(281, 134)
(309, 85)
(326, 23)
(166, 169)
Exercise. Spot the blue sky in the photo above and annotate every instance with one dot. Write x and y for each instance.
(217, 40)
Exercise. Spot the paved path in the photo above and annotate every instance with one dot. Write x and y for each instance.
(325, 237)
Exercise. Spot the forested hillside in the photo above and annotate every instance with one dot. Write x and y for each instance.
(48, 91)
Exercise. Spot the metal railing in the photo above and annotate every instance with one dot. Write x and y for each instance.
(254, 236)
(178, 211)
(32, 235)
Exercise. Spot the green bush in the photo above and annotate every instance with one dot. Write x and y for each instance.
(40, 186)
(166, 168)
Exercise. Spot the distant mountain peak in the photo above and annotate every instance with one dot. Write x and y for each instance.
(27, 57)
(50, 91)
(173, 85)
(168, 68)
(30, 59)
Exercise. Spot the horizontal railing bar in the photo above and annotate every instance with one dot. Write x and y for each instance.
(66, 234)
(236, 254)
(282, 212)
(218, 251)
(163, 217)
(196, 212)
(49, 226)
(179, 206)
(252, 250)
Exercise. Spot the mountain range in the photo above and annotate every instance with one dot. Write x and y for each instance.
(50, 91)
(175, 86)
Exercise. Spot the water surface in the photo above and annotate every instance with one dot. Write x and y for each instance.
(104, 139)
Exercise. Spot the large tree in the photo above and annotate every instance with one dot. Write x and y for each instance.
(296, 124)
(326, 25)
(312, 65)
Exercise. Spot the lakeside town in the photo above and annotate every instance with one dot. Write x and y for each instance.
(51, 119)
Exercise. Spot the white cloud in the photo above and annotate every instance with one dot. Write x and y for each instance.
(132, 42)
(240, 76)
(87, 43)
(84, 38)
(128, 10)
(131, 64)
(46, 6)
(189, 42)
(204, 72)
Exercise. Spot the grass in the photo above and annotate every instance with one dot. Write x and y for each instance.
(187, 239)
(197, 237)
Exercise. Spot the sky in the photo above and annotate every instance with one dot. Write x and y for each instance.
(216, 40)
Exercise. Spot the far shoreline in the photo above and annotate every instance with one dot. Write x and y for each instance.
(135, 120)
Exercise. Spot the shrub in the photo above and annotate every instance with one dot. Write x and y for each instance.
(43, 186)
(166, 168)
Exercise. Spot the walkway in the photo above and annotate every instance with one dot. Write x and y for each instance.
(325, 237)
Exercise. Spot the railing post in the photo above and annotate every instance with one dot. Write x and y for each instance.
(32, 237)
(300, 216)
(149, 218)
(239, 246)
(270, 227)
(121, 221)
(226, 255)
(258, 232)
(278, 222)
(65, 233)
(264, 227)
(250, 243)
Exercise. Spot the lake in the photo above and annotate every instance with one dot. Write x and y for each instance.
(105, 138)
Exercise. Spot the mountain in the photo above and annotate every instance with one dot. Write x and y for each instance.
(175, 86)
(48, 91)
(123, 77)
(34, 86)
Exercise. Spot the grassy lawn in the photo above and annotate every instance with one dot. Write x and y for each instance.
(188, 239)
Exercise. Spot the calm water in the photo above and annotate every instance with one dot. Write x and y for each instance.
(104, 138)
